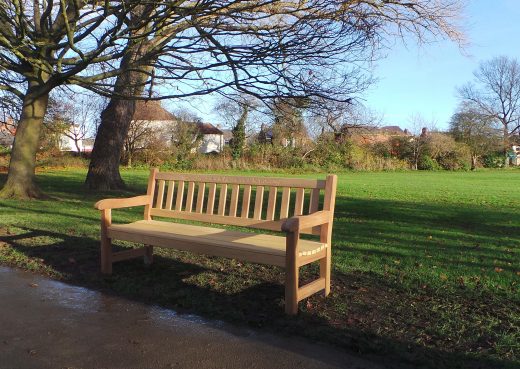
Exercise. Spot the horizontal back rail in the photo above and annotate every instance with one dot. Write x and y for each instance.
(255, 202)
(255, 181)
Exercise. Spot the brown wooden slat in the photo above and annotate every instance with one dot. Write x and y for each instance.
(200, 197)
(246, 201)
(314, 201)
(234, 201)
(189, 197)
(298, 204)
(286, 199)
(169, 196)
(271, 205)
(180, 196)
(259, 199)
(222, 199)
(273, 225)
(160, 195)
(211, 198)
(254, 181)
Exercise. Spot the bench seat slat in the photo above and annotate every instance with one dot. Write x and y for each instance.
(207, 239)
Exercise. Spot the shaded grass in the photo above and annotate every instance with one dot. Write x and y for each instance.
(426, 265)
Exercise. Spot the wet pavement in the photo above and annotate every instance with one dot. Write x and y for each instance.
(48, 324)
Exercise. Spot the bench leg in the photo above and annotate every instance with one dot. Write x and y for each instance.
(148, 255)
(106, 255)
(325, 271)
(291, 276)
(106, 243)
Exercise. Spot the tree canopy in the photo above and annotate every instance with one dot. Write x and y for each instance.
(266, 48)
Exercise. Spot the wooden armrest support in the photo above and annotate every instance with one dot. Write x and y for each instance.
(122, 202)
(300, 222)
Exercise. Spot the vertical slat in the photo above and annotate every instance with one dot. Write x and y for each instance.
(150, 193)
(160, 195)
(180, 196)
(222, 199)
(234, 200)
(286, 198)
(169, 196)
(271, 205)
(200, 197)
(314, 200)
(189, 198)
(298, 204)
(259, 199)
(246, 201)
(211, 198)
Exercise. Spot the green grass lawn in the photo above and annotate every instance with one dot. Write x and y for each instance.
(426, 265)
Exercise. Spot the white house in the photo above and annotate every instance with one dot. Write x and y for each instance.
(152, 115)
(74, 141)
(516, 159)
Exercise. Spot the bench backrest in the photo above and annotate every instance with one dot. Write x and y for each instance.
(257, 202)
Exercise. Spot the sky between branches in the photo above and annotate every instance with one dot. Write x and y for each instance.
(423, 79)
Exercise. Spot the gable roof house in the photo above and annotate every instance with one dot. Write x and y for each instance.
(160, 121)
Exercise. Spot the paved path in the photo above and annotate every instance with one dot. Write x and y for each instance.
(48, 324)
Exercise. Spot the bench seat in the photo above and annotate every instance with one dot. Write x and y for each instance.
(248, 246)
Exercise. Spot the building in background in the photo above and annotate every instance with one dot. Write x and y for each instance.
(160, 122)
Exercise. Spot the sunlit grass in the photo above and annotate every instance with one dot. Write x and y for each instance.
(426, 265)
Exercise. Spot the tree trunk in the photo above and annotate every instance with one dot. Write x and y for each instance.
(506, 144)
(21, 177)
(76, 142)
(103, 172)
(474, 162)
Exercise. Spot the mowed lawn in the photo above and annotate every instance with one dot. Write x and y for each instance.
(426, 265)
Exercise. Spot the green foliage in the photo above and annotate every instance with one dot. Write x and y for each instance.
(238, 141)
(493, 160)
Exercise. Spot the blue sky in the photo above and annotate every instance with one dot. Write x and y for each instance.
(422, 80)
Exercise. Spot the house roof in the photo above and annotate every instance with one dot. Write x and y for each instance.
(392, 129)
(209, 129)
(151, 110)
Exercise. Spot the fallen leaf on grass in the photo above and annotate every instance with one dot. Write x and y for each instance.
(499, 270)
(443, 277)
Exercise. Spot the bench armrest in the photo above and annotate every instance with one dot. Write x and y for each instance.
(300, 222)
(122, 202)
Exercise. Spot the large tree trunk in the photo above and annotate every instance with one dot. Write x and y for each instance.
(103, 172)
(21, 177)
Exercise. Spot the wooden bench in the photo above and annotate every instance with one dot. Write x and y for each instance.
(193, 197)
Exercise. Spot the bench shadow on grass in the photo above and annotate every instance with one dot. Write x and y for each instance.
(171, 283)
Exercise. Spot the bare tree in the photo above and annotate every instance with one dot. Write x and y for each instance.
(45, 44)
(477, 130)
(140, 134)
(342, 119)
(418, 143)
(235, 112)
(268, 49)
(496, 94)
(72, 115)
